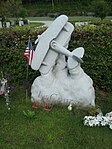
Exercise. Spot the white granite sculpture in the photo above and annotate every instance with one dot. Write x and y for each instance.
(62, 79)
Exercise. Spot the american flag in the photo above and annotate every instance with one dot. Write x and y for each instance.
(29, 52)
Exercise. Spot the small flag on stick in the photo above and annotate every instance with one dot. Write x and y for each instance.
(29, 52)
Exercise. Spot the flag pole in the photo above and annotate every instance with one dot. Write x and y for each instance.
(27, 71)
(27, 67)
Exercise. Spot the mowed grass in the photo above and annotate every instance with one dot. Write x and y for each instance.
(71, 18)
(57, 129)
(31, 25)
(35, 24)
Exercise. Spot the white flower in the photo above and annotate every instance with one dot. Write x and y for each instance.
(96, 122)
(88, 117)
(70, 107)
(85, 117)
(100, 113)
(110, 126)
(86, 122)
(109, 114)
(91, 123)
(103, 123)
(7, 103)
(99, 118)
(105, 118)
(110, 119)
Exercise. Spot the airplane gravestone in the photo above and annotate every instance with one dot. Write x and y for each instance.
(62, 79)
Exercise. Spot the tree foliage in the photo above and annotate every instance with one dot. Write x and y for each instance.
(12, 8)
(100, 8)
(15, 8)
(3, 8)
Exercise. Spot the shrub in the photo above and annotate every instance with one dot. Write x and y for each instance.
(97, 42)
(12, 47)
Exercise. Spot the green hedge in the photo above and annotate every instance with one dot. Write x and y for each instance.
(97, 42)
(13, 42)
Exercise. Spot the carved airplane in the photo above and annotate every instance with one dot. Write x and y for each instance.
(53, 42)
(66, 79)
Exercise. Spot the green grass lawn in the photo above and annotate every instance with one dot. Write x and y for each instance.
(35, 24)
(71, 18)
(57, 129)
(31, 25)
(40, 18)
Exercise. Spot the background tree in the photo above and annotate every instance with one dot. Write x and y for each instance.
(22, 12)
(13, 7)
(3, 8)
(52, 4)
(100, 8)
